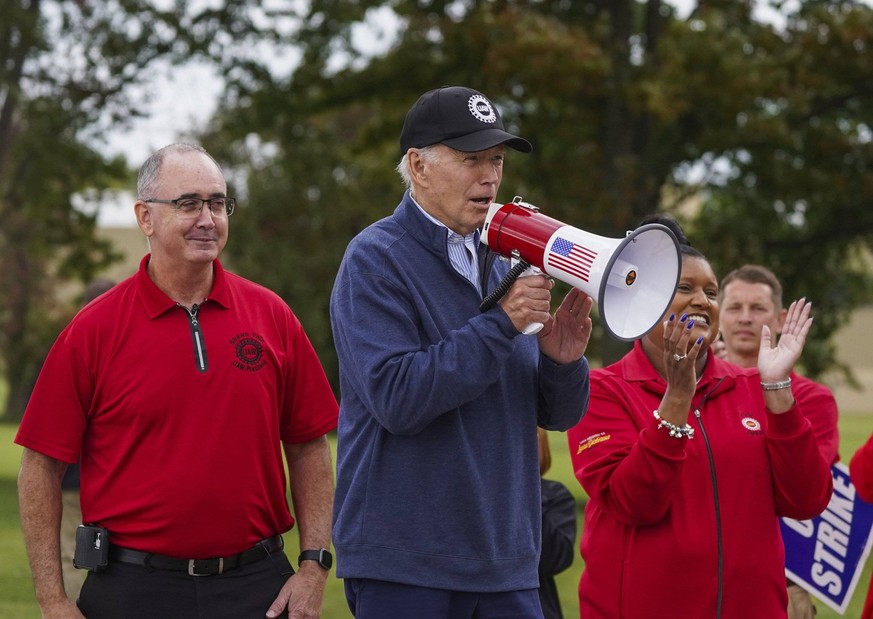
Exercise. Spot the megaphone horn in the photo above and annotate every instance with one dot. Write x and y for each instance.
(632, 280)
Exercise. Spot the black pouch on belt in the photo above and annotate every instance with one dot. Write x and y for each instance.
(92, 548)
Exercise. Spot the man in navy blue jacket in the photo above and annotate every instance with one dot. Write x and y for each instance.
(437, 509)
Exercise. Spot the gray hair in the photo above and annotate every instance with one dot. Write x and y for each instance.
(146, 182)
(429, 153)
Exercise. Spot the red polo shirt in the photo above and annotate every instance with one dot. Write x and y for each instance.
(179, 436)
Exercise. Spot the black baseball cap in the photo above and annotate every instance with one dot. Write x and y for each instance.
(458, 117)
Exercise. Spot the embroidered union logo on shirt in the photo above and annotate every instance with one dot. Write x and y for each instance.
(592, 440)
(249, 349)
(751, 424)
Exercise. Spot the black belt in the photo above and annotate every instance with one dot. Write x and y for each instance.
(197, 567)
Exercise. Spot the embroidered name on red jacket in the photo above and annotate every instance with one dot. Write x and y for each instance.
(592, 440)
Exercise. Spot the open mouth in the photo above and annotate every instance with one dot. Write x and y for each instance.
(699, 319)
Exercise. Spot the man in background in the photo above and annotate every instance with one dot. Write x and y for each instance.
(751, 297)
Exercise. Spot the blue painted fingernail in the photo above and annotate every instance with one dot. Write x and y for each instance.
(690, 324)
(700, 340)
(672, 316)
(684, 316)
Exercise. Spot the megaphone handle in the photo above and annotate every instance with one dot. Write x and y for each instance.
(503, 287)
(519, 269)
(534, 327)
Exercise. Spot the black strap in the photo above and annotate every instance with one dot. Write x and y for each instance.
(197, 567)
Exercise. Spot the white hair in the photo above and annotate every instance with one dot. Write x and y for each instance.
(430, 154)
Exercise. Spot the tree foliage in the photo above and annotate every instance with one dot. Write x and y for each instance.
(68, 72)
(800, 170)
(762, 128)
(757, 135)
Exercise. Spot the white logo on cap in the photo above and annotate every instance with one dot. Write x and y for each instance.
(480, 107)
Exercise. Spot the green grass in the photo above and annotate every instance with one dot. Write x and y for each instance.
(16, 592)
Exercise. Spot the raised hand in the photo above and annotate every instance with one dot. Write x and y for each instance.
(680, 353)
(565, 335)
(777, 359)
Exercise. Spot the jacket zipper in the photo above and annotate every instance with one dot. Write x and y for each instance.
(718, 533)
(197, 335)
(718, 529)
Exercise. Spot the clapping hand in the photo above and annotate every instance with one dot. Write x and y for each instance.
(775, 362)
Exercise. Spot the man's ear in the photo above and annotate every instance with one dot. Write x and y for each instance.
(417, 167)
(144, 217)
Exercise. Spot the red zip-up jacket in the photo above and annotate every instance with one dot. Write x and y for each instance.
(861, 473)
(677, 527)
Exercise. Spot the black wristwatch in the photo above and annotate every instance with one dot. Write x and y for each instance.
(322, 555)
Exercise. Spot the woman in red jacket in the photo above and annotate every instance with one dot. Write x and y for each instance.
(688, 461)
(861, 473)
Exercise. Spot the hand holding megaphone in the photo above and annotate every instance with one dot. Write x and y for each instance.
(534, 327)
(523, 299)
(633, 279)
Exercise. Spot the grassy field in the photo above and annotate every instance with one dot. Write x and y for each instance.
(16, 593)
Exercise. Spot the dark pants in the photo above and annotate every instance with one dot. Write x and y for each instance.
(125, 591)
(378, 599)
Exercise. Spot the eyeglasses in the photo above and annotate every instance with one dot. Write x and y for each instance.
(192, 207)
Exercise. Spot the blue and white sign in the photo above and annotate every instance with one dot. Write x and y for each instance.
(826, 555)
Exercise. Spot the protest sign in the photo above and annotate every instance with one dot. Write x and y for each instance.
(826, 555)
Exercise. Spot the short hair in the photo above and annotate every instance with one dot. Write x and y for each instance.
(428, 153)
(151, 169)
(755, 274)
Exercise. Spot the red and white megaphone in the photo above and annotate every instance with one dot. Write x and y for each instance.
(632, 280)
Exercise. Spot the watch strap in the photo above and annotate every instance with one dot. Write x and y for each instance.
(321, 556)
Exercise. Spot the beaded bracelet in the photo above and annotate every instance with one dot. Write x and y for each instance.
(782, 384)
(675, 431)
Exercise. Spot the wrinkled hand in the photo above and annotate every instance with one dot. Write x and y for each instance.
(528, 300)
(302, 595)
(565, 335)
(776, 362)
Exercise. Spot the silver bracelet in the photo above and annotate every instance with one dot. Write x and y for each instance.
(782, 384)
(685, 432)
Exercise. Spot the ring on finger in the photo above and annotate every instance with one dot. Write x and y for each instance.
(676, 357)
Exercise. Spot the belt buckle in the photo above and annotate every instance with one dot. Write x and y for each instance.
(192, 567)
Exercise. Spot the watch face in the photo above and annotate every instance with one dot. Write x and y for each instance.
(326, 559)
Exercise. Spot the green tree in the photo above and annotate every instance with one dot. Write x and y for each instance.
(622, 99)
(68, 72)
(797, 178)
